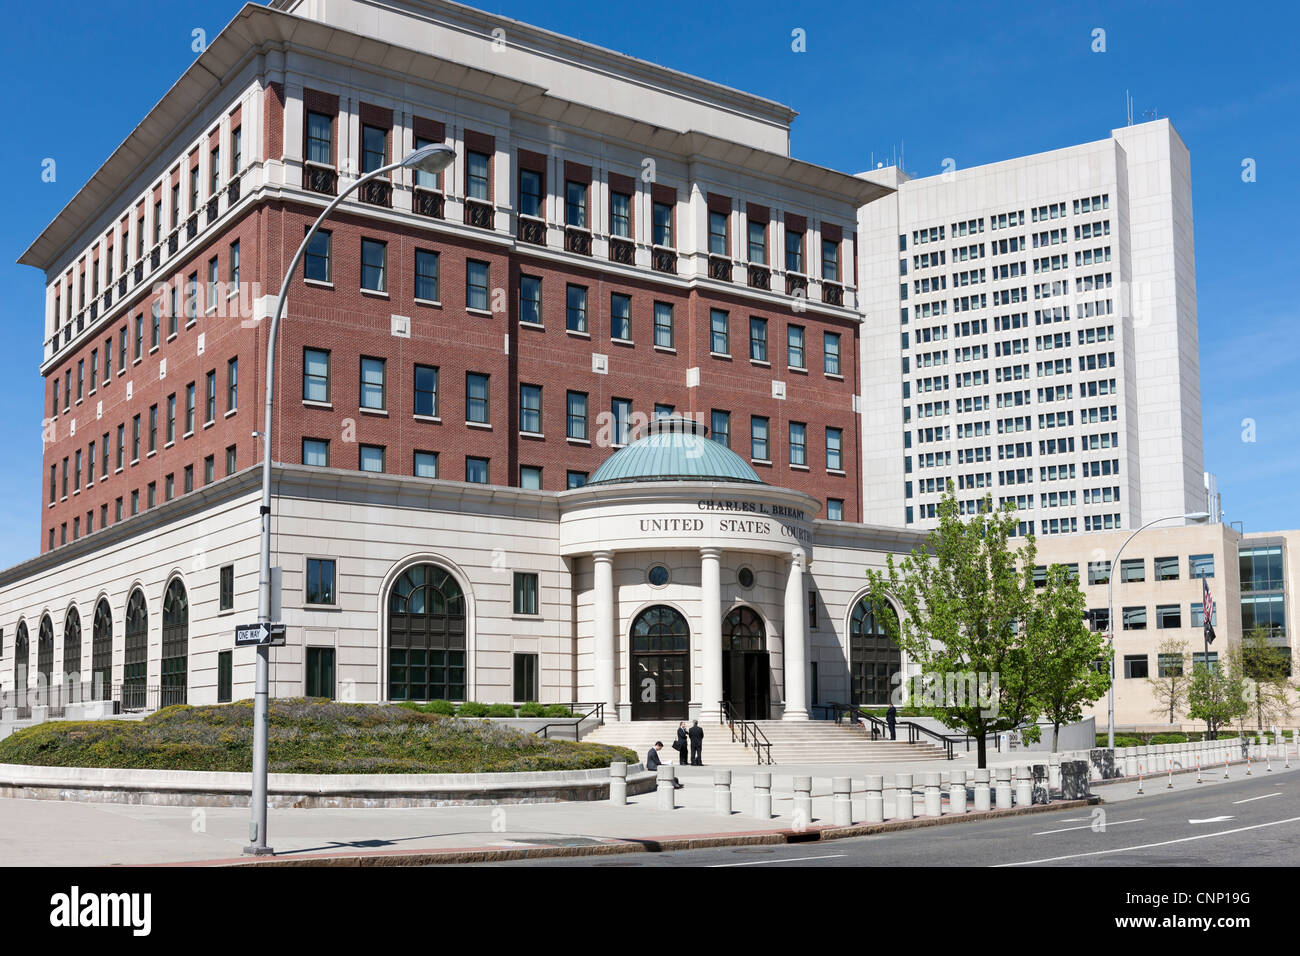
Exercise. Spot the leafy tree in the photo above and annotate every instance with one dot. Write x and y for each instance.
(1064, 650)
(1216, 696)
(1266, 669)
(1172, 681)
(966, 599)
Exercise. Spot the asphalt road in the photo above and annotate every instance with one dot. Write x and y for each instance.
(1251, 821)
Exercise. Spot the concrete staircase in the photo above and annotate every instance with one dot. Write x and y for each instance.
(793, 742)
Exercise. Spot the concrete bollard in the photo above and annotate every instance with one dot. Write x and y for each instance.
(666, 781)
(1002, 791)
(842, 802)
(875, 798)
(957, 792)
(1074, 780)
(722, 792)
(618, 783)
(1024, 787)
(933, 796)
(1054, 771)
(982, 801)
(763, 795)
(1130, 762)
(802, 815)
(903, 796)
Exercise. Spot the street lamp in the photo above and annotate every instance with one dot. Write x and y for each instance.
(1196, 517)
(433, 158)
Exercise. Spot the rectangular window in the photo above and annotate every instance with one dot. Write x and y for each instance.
(721, 427)
(758, 449)
(757, 339)
(372, 383)
(1198, 615)
(1165, 569)
(620, 215)
(425, 180)
(575, 479)
(169, 488)
(316, 451)
(214, 278)
(155, 326)
(1098, 572)
(103, 456)
(1169, 615)
(530, 476)
(719, 332)
(171, 418)
(426, 391)
(230, 459)
(1135, 618)
(718, 233)
(210, 397)
(426, 464)
(830, 260)
(576, 403)
(372, 458)
(1136, 666)
(191, 304)
(663, 325)
(530, 193)
(139, 337)
(135, 502)
(835, 509)
(374, 265)
(320, 133)
(831, 350)
(1132, 569)
(530, 300)
(620, 312)
(525, 674)
(315, 375)
(426, 275)
(798, 443)
(320, 581)
(189, 408)
(793, 251)
(121, 446)
(225, 677)
(758, 243)
(476, 398)
(476, 470)
(575, 204)
(478, 184)
(575, 315)
(1200, 566)
(525, 592)
(476, 285)
(236, 150)
(834, 449)
(316, 260)
(151, 493)
(189, 479)
(622, 412)
(135, 439)
(214, 170)
(530, 409)
(81, 379)
(663, 224)
(374, 148)
(210, 469)
(794, 341)
(76, 473)
(232, 384)
(234, 266)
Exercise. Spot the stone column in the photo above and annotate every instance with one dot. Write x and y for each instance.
(606, 647)
(711, 635)
(794, 645)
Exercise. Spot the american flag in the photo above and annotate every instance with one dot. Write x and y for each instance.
(1207, 605)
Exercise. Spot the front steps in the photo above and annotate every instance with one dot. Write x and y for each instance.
(793, 742)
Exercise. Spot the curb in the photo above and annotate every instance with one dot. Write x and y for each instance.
(777, 837)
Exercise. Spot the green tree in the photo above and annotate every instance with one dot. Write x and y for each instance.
(1172, 681)
(966, 599)
(1064, 651)
(1266, 669)
(1216, 696)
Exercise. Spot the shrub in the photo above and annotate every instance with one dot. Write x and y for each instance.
(532, 709)
(557, 710)
(500, 710)
(1169, 739)
(472, 708)
(443, 708)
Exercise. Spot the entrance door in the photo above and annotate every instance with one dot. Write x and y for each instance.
(320, 672)
(661, 688)
(746, 678)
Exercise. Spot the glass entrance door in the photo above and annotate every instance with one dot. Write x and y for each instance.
(745, 665)
(661, 688)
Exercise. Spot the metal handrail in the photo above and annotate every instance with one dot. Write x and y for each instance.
(750, 734)
(598, 709)
(914, 730)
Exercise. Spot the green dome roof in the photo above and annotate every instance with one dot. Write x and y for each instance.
(674, 449)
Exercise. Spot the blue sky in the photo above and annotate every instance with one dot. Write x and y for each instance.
(976, 82)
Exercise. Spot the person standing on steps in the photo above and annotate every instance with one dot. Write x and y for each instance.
(682, 745)
(696, 733)
(891, 716)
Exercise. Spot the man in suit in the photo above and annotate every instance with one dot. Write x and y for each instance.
(891, 715)
(652, 762)
(696, 733)
(682, 745)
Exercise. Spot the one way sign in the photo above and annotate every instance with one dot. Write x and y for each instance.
(252, 635)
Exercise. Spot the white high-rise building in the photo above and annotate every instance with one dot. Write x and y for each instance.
(1031, 333)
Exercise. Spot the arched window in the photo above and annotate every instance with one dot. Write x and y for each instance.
(45, 654)
(175, 645)
(20, 668)
(874, 659)
(426, 636)
(72, 645)
(742, 630)
(660, 628)
(136, 666)
(101, 652)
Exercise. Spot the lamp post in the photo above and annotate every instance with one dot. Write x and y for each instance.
(1196, 517)
(432, 158)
